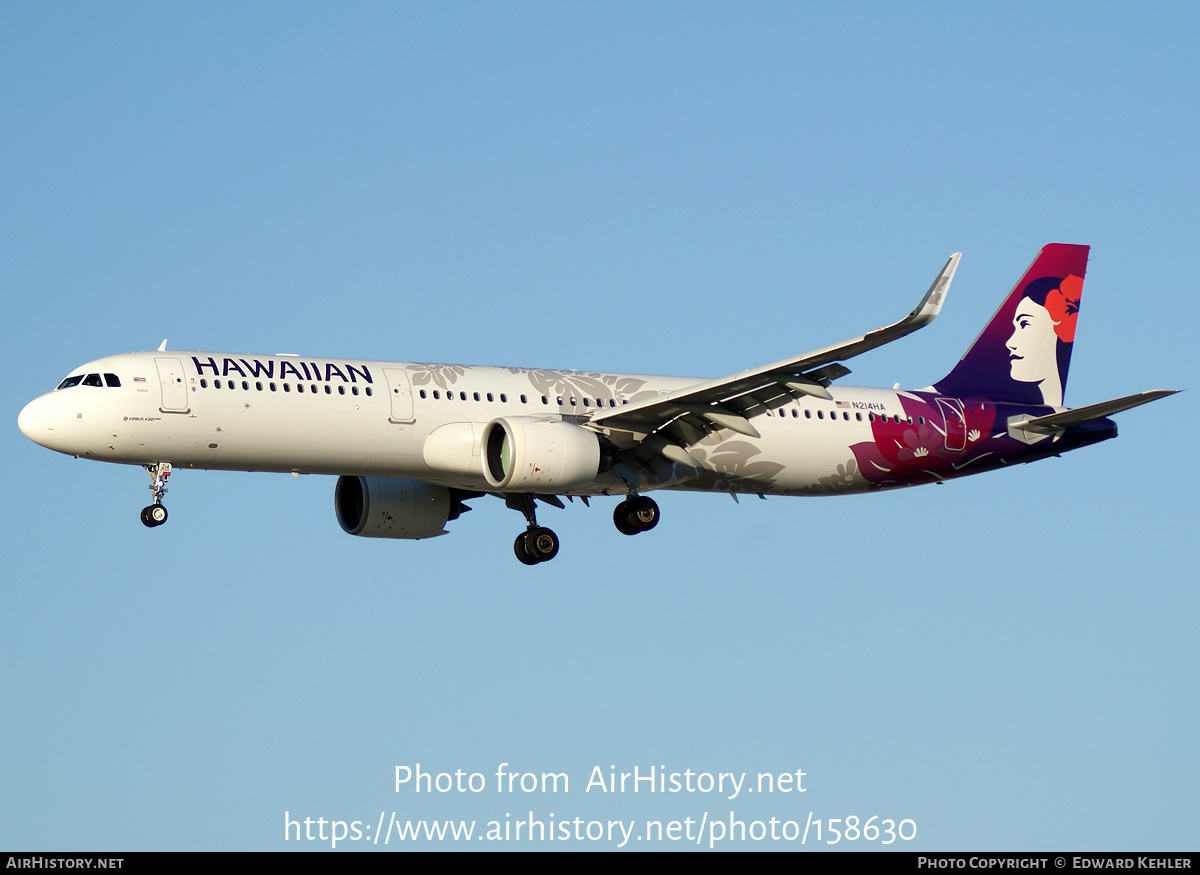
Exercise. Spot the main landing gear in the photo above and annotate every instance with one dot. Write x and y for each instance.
(155, 514)
(636, 514)
(537, 543)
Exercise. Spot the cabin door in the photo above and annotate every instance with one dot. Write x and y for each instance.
(956, 424)
(400, 391)
(174, 389)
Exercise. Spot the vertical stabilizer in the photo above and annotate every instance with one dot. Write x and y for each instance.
(1023, 354)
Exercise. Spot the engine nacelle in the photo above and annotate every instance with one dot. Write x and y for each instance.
(395, 507)
(531, 454)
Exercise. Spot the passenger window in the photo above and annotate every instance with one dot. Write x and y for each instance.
(286, 387)
(545, 400)
(353, 390)
(272, 385)
(203, 384)
(524, 400)
(846, 415)
(858, 416)
(462, 396)
(503, 398)
(216, 384)
(368, 390)
(111, 381)
(808, 414)
(422, 393)
(489, 397)
(342, 391)
(329, 389)
(437, 396)
(820, 414)
(475, 395)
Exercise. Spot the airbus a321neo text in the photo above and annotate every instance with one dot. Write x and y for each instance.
(411, 443)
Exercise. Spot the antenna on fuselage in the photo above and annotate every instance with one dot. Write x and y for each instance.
(162, 347)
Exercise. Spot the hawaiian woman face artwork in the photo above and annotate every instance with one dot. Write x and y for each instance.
(1043, 331)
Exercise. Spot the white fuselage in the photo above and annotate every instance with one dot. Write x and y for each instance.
(399, 419)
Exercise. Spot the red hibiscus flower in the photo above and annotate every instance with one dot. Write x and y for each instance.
(1063, 306)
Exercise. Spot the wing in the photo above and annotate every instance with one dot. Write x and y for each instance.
(685, 416)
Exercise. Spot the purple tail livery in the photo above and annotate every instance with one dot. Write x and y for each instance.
(1023, 354)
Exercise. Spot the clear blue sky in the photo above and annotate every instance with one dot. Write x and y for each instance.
(1010, 660)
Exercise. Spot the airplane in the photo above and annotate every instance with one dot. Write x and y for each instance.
(410, 443)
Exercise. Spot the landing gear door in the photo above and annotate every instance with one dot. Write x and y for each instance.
(174, 389)
(400, 391)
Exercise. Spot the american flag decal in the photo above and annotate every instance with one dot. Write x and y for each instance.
(139, 379)
(844, 404)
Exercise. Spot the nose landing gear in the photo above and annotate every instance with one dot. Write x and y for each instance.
(155, 514)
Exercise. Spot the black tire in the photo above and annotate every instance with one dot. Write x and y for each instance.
(623, 518)
(146, 520)
(541, 543)
(522, 553)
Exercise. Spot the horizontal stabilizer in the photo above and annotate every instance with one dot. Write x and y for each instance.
(1080, 415)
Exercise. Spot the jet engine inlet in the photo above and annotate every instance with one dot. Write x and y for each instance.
(528, 454)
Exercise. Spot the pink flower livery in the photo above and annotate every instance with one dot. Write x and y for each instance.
(934, 445)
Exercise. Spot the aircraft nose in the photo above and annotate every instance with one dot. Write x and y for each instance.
(34, 421)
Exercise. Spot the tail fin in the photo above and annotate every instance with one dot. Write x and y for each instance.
(1023, 353)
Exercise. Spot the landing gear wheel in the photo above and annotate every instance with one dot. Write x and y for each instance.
(645, 512)
(541, 544)
(637, 514)
(522, 553)
(621, 518)
(154, 515)
(537, 543)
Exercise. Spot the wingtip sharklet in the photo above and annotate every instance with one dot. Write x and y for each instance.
(931, 303)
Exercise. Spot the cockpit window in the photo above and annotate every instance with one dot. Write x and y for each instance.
(70, 381)
(93, 380)
(111, 381)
